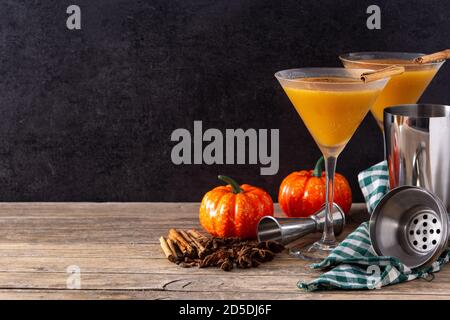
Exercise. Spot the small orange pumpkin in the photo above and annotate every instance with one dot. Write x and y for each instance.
(233, 210)
(302, 193)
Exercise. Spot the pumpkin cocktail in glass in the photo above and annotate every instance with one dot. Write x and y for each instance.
(405, 88)
(332, 102)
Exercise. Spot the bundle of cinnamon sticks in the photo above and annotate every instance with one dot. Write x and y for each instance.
(189, 248)
(180, 244)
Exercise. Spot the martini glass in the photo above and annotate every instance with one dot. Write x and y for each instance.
(332, 102)
(405, 88)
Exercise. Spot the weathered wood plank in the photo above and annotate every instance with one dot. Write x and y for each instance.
(81, 223)
(155, 210)
(94, 250)
(196, 283)
(26, 294)
(137, 265)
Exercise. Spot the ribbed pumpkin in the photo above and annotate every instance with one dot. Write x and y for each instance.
(302, 193)
(234, 210)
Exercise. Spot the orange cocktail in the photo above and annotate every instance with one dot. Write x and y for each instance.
(331, 116)
(406, 88)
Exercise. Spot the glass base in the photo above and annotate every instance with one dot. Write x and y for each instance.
(315, 252)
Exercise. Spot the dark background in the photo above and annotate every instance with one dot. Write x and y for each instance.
(87, 115)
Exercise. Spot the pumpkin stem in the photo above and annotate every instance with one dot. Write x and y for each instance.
(234, 185)
(318, 169)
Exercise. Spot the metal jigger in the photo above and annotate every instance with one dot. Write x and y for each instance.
(287, 230)
(410, 224)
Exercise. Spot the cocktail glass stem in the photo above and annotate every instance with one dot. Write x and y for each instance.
(328, 238)
(321, 249)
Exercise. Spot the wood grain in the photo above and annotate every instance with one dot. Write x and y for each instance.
(116, 247)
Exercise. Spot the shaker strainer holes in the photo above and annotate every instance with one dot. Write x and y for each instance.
(422, 232)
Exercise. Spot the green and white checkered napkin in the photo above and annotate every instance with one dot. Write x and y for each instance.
(354, 263)
(374, 184)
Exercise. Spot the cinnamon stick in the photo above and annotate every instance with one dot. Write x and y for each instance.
(382, 73)
(175, 250)
(167, 252)
(184, 246)
(434, 57)
(197, 235)
(190, 242)
(201, 250)
(184, 235)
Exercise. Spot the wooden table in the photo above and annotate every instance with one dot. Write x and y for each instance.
(115, 246)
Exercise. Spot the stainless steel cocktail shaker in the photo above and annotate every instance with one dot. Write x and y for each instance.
(417, 140)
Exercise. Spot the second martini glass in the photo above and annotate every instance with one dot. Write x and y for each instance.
(405, 88)
(332, 102)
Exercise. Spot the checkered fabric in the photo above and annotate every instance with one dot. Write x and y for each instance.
(374, 184)
(354, 264)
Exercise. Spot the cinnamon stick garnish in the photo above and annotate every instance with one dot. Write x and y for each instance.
(434, 57)
(165, 247)
(382, 73)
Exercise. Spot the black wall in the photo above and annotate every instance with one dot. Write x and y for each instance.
(87, 115)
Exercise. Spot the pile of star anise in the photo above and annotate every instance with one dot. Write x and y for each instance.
(191, 248)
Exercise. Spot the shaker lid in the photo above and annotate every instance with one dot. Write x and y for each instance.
(411, 224)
